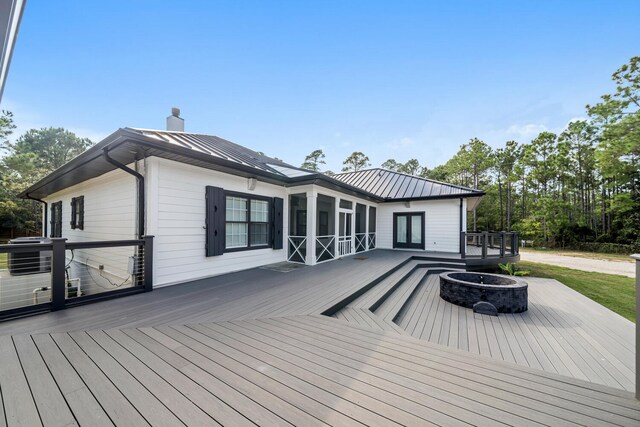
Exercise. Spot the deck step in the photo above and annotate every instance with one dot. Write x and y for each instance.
(369, 299)
(365, 318)
(393, 304)
(393, 307)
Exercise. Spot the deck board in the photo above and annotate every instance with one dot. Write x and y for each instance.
(548, 336)
(251, 348)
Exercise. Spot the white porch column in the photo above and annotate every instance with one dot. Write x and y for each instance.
(336, 229)
(312, 205)
(353, 228)
(366, 227)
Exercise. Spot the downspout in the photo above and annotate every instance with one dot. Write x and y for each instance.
(46, 213)
(140, 179)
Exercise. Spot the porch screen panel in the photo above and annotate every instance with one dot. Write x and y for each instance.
(372, 219)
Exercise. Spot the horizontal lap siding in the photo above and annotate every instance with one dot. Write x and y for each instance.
(109, 208)
(110, 205)
(442, 222)
(180, 224)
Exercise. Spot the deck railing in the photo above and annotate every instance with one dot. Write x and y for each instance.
(297, 249)
(325, 248)
(361, 242)
(371, 240)
(56, 274)
(345, 245)
(488, 245)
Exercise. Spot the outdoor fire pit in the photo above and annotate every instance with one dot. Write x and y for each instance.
(485, 293)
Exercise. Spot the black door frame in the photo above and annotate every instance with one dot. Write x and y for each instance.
(408, 244)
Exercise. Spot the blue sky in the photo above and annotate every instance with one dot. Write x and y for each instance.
(395, 79)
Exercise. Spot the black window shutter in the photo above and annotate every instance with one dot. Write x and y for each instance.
(278, 205)
(74, 212)
(81, 213)
(215, 202)
(52, 221)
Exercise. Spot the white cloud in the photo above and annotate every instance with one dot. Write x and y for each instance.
(403, 142)
(526, 132)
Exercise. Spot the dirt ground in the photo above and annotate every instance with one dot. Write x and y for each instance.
(585, 264)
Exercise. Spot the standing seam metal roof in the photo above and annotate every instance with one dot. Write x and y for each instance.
(391, 185)
(218, 147)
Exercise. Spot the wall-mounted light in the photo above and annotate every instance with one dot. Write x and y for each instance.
(407, 205)
(251, 183)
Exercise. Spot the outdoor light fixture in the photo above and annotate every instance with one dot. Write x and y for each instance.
(251, 183)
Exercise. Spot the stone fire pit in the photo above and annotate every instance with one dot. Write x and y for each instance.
(485, 293)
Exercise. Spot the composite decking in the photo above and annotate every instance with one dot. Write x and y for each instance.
(251, 348)
(563, 332)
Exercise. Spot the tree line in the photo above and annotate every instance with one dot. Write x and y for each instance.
(569, 189)
(32, 156)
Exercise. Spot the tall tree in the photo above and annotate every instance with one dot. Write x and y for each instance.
(6, 128)
(53, 146)
(314, 160)
(391, 164)
(356, 161)
(505, 165)
(32, 156)
(618, 118)
(411, 167)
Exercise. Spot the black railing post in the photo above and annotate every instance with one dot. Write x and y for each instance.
(58, 279)
(515, 242)
(463, 244)
(485, 242)
(148, 263)
(503, 243)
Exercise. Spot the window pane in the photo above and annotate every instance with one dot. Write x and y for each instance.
(416, 229)
(236, 235)
(236, 209)
(259, 234)
(401, 227)
(259, 211)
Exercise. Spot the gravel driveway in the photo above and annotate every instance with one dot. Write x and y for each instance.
(585, 264)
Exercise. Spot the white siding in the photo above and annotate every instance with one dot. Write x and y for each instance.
(180, 223)
(109, 208)
(109, 214)
(442, 223)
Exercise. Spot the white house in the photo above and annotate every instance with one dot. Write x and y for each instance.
(215, 207)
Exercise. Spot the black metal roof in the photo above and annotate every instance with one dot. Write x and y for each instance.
(211, 152)
(220, 148)
(391, 185)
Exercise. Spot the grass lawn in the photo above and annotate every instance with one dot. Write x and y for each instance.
(581, 254)
(617, 293)
(3, 261)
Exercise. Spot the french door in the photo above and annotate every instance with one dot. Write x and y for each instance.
(408, 230)
(345, 235)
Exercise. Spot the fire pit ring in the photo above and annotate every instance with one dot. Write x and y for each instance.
(506, 293)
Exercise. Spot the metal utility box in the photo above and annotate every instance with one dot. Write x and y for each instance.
(32, 262)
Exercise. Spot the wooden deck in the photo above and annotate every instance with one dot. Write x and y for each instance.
(251, 348)
(563, 332)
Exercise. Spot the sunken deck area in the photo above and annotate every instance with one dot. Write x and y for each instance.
(254, 348)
